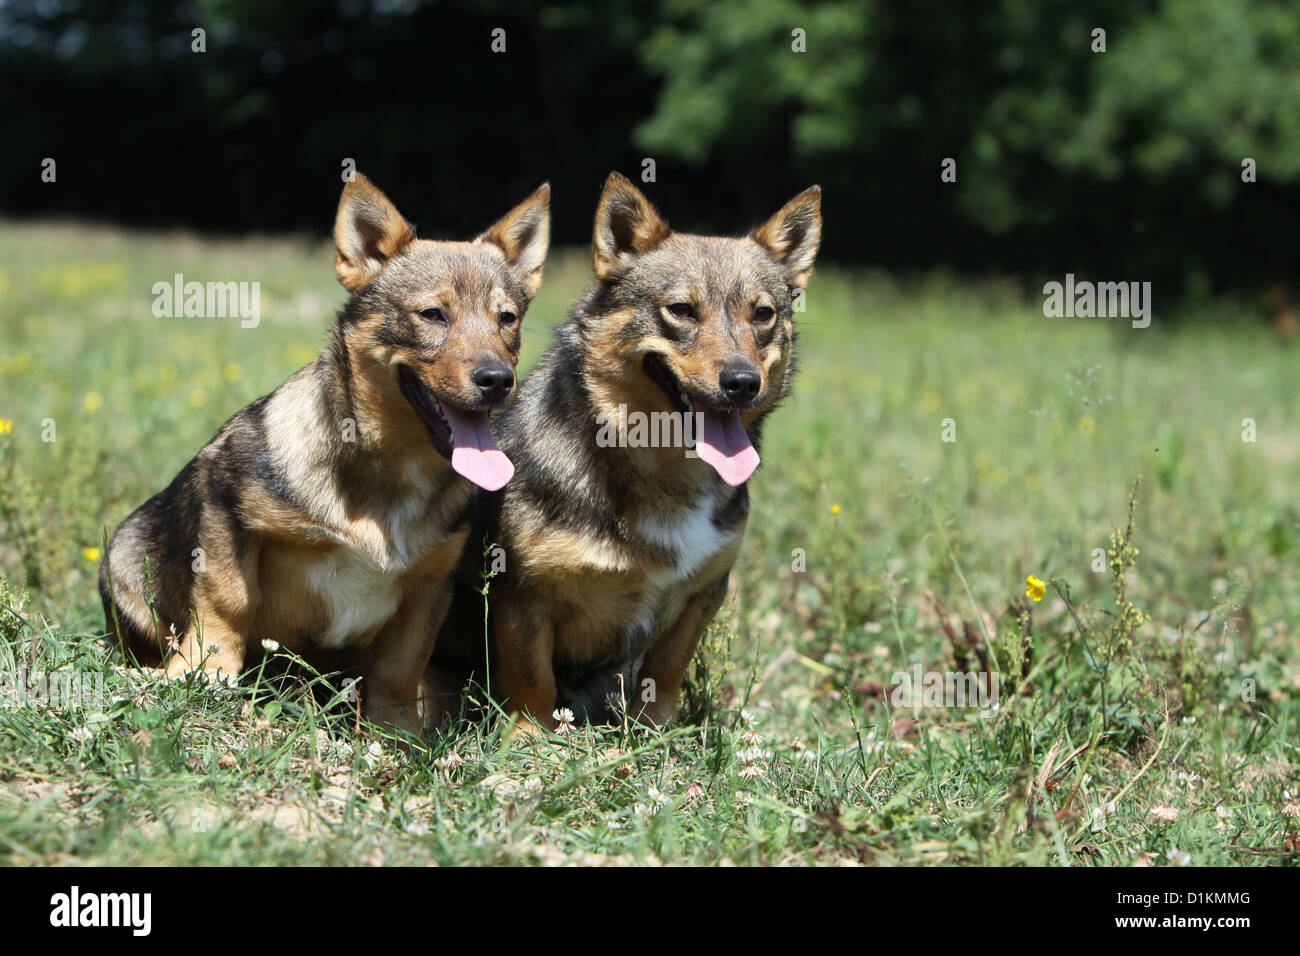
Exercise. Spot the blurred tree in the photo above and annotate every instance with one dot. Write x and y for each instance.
(1068, 159)
(1125, 163)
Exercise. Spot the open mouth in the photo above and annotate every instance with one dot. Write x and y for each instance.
(720, 439)
(428, 408)
(662, 375)
(460, 434)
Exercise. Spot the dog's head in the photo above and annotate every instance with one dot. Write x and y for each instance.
(437, 324)
(698, 324)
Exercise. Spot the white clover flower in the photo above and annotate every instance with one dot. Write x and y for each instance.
(1179, 857)
(750, 760)
(1164, 813)
(270, 646)
(448, 761)
(563, 719)
(81, 735)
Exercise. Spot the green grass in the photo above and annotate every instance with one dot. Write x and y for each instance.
(1127, 696)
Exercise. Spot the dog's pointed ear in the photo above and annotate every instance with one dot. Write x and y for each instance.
(524, 235)
(626, 226)
(792, 236)
(368, 232)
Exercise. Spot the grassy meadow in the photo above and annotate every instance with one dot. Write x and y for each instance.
(1149, 702)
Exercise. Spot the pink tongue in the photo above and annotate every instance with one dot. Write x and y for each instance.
(474, 454)
(722, 443)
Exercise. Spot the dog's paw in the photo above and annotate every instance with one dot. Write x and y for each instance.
(526, 729)
(215, 676)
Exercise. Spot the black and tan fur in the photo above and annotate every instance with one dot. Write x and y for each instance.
(616, 559)
(326, 515)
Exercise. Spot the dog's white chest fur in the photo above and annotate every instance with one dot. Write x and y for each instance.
(692, 539)
(357, 593)
(359, 582)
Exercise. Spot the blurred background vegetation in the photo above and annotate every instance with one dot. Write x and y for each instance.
(1124, 164)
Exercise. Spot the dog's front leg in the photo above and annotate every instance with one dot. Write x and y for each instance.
(660, 682)
(399, 655)
(441, 687)
(525, 636)
(226, 597)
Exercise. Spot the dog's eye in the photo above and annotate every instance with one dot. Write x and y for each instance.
(432, 315)
(681, 310)
(764, 313)
(508, 318)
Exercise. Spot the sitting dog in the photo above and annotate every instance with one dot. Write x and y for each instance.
(617, 545)
(329, 515)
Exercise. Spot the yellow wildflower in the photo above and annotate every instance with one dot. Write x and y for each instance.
(90, 554)
(1036, 588)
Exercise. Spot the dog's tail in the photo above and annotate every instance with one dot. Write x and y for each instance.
(137, 638)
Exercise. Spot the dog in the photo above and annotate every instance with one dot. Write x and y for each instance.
(614, 554)
(328, 515)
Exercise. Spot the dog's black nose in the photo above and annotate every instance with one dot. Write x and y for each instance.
(740, 385)
(493, 381)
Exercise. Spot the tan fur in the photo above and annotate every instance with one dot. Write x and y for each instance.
(325, 517)
(642, 582)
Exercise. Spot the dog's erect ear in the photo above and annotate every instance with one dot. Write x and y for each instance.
(524, 235)
(368, 231)
(626, 226)
(792, 236)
